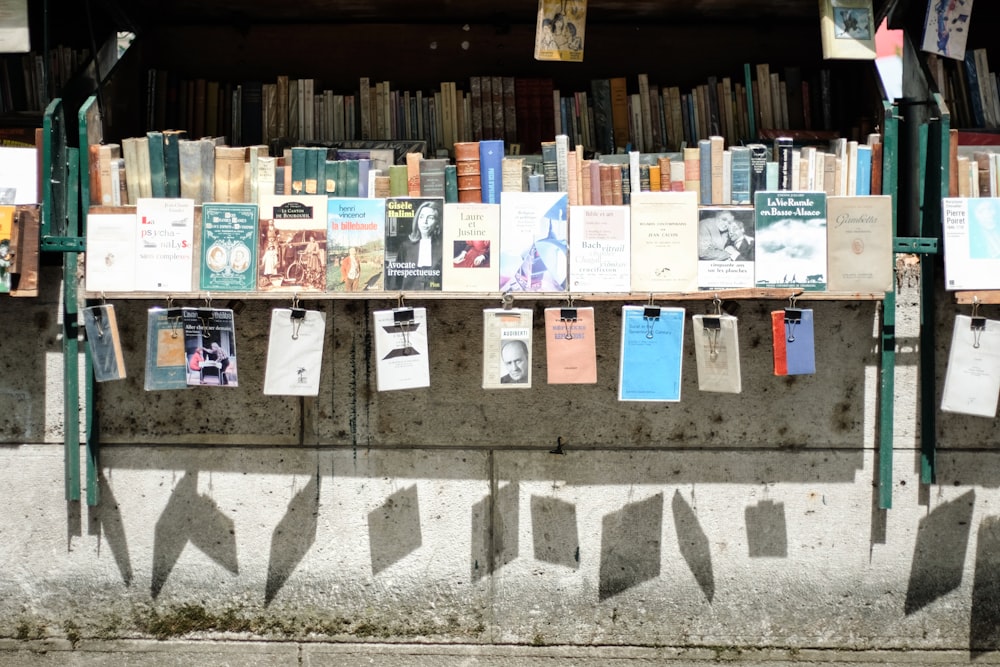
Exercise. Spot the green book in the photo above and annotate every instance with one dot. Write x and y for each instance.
(451, 184)
(229, 247)
(166, 364)
(331, 178)
(350, 178)
(298, 170)
(319, 158)
(397, 180)
(172, 161)
(157, 171)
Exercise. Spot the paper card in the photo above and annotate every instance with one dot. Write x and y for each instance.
(717, 353)
(570, 350)
(971, 234)
(294, 352)
(210, 346)
(104, 342)
(402, 360)
(164, 245)
(651, 353)
(507, 348)
(972, 380)
(166, 365)
(794, 343)
(110, 257)
(946, 28)
(599, 257)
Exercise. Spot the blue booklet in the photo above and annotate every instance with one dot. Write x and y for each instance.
(651, 353)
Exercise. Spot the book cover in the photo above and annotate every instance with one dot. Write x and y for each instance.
(291, 243)
(726, 247)
(164, 248)
(559, 30)
(859, 244)
(971, 235)
(413, 243)
(491, 170)
(664, 242)
(570, 348)
(946, 28)
(104, 342)
(599, 249)
(210, 346)
(166, 363)
(507, 348)
(790, 240)
(972, 378)
(294, 352)
(110, 257)
(717, 353)
(793, 341)
(533, 242)
(401, 350)
(650, 365)
(228, 247)
(355, 244)
(431, 177)
(847, 29)
(471, 234)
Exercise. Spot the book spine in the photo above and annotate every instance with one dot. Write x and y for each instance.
(740, 192)
(692, 171)
(705, 171)
(549, 168)
(172, 162)
(491, 170)
(783, 154)
(562, 159)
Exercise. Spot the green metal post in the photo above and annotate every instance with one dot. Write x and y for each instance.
(88, 124)
(887, 384)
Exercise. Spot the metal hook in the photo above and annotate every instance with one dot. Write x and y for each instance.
(975, 305)
(104, 299)
(208, 299)
(717, 302)
(295, 300)
(651, 299)
(569, 300)
(507, 299)
(401, 301)
(791, 301)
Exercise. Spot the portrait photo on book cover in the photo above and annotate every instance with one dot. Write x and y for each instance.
(211, 359)
(291, 257)
(515, 362)
(984, 228)
(726, 235)
(413, 251)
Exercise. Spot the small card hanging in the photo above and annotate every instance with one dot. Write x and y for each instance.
(794, 341)
(294, 352)
(401, 351)
(166, 364)
(210, 346)
(651, 351)
(570, 350)
(104, 342)
(972, 379)
(717, 352)
(507, 348)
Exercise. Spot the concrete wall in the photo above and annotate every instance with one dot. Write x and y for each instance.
(440, 515)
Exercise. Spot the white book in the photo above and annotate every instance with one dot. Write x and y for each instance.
(599, 257)
(664, 241)
(471, 242)
(727, 177)
(401, 357)
(971, 235)
(534, 241)
(110, 256)
(717, 353)
(972, 379)
(507, 358)
(294, 352)
(164, 249)
(562, 162)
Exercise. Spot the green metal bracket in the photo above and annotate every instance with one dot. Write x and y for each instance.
(887, 373)
(916, 245)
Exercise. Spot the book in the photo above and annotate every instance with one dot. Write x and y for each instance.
(972, 377)
(471, 234)
(741, 187)
(431, 177)
(401, 349)
(971, 235)
(793, 341)
(533, 242)
(717, 353)
(652, 341)
(559, 30)
(355, 244)
(790, 240)
(104, 342)
(164, 245)
(294, 352)
(859, 244)
(230, 174)
(599, 249)
(210, 346)
(847, 29)
(664, 242)
(692, 171)
(491, 170)
(726, 247)
(507, 362)
(228, 247)
(157, 169)
(413, 243)
(291, 243)
(946, 28)
(111, 251)
(570, 346)
(172, 162)
(166, 363)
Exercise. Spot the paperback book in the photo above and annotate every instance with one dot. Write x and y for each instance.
(104, 342)
(599, 257)
(971, 231)
(111, 251)
(972, 379)
(401, 350)
(228, 247)
(507, 348)
(559, 30)
(294, 352)
(859, 243)
(790, 240)
(570, 348)
(292, 243)
(794, 342)
(533, 245)
(355, 244)
(946, 28)
(166, 363)
(471, 233)
(847, 29)
(652, 343)
(664, 240)
(164, 249)
(726, 247)
(717, 353)
(210, 346)
(413, 243)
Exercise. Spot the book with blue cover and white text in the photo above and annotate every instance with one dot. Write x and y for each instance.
(651, 354)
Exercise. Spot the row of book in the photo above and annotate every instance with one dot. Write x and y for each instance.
(530, 242)
(22, 79)
(969, 87)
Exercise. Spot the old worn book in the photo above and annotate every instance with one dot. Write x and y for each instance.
(664, 242)
(189, 152)
(228, 247)
(172, 161)
(471, 235)
(570, 346)
(104, 342)
(859, 244)
(7, 247)
(157, 169)
(229, 174)
(106, 156)
(599, 249)
(166, 363)
(717, 353)
(292, 243)
(790, 245)
(847, 29)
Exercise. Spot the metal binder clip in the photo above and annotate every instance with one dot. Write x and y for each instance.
(208, 299)
(297, 316)
(567, 316)
(403, 318)
(978, 324)
(650, 314)
(793, 317)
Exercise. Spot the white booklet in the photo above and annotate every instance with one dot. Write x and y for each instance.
(717, 353)
(507, 348)
(401, 349)
(294, 352)
(972, 381)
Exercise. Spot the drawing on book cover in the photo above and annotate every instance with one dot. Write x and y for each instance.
(852, 22)
(946, 27)
(210, 346)
(559, 30)
(355, 244)
(535, 258)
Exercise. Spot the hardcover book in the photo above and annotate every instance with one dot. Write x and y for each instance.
(507, 348)
(859, 244)
(210, 346)
(570, 348)
(726, 247)
(717, 353)
(355, 244)
(228, 247)
(413, 243)
(104, 342)
(533, 242)
(471, 234)
(401, 350)
(164, 249)
(166, 363)
(294, 352)
(790, 240)
(971, 234)
(972, 379)
(664, 242)
(847, 29)
(291, 243)
(111, 252)
(599, 256)
(652, 342)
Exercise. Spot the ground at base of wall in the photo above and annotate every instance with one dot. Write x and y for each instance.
(42, 653)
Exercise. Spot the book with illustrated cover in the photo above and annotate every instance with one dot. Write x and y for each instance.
(228, 247)
(559, 30)
(664, 240)
(414, 247)
(847, 29)
(533, 242)
(790, 244)
(570, 348)
(355, 244)
(972, 379)
(210, 346)
(652, 343)
(717, 353)
(104, 342)
(507, 348)
(401, 351)
(794, 344)
(294, 352)
(164, 246)
(471, 237)
(971, 234)
(599, 249)
(166, 363)
(859, 243)
(291, 243)
(7, 248)
(726, 247)
(946, 28)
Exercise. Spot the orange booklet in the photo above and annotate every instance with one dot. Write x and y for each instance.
(570, 352)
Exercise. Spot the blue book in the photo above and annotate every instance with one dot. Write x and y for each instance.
(490, 169)
(800, 344)
(166, 364)
(651, 354)
(864, 177)
(705, 171)
(364, 165)
(975, 100)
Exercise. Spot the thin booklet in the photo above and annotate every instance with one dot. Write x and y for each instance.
(972, 380)
(210, 346)
(717, 353)
(166, 363)
(104, 342)
(570, 350)
(651, 354)
(294, 352)
(794, 341)
(401, 356)
(507, 348)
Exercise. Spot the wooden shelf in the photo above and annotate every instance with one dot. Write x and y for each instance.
(978, 296)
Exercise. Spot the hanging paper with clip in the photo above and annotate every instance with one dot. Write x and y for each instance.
(104, 342)
(972, 380)
(294, 352)
(166, 364)
(401, 358)
(651, 354)
(507, 348)
(717, 352)
(210, 346)
(570, 350)
(794, 341)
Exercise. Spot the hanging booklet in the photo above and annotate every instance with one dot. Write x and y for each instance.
(794, 345)
(210, 346)
(294, 352)
(507, 348)
(402, 360)
(166, 364)
(559, 30)
(972, 381)
(651, 353)
(570, 351)
(717, 353)
(104, 343)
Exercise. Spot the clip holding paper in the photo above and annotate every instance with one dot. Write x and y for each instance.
(650, 314)
(404, 319)
(297, 316)
(793, 317)
(712, 327)
(977, 323)
(566, 316)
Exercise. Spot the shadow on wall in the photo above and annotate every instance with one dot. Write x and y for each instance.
(394, 528)
(494, 548)
(293, 537)
(554, 532)
(939, 553)
(630, 546)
